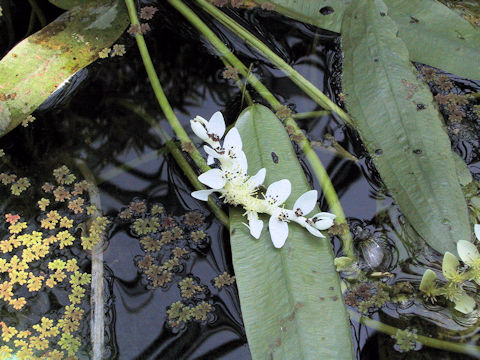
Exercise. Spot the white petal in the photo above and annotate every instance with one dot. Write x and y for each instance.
(467, 251)
(323, 224)
(255, 225)
(306, 202)
(324, 215)
(241, 161)
(428, 281)
(278, 231)
(314, 231)
(199, 130)
(213, 178)
(202, 194)
(211, 152)
(216, 125)
(464, 303)
(258, 178)
(279, 191)
(210, 160)
(201, 120)
(233, 140)
(476, 229)
(449, 265)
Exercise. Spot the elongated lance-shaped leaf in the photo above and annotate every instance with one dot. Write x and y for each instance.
(433, 33)
(291, 300)
(33, 69)
(401, 127)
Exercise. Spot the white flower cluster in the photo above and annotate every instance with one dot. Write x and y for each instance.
(237, 188)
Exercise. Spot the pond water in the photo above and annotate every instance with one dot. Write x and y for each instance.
(94, 122)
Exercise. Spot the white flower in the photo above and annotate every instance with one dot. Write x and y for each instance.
(209, 131)
(231, 180)
(255, 225)
(278, 227)
(278, 192)
(467, 251)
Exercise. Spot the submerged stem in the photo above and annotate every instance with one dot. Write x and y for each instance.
(317, 166)
(311, 90)
(180, 159)
(97, 285)
(160, 95)
(427, 341)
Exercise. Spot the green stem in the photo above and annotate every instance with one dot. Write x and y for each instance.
(310, 114)
(311, 90)
(160, 95)
(300, 138)
(427, 341)
(192, 176)
(40, 15)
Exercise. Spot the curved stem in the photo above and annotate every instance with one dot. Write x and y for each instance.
(298, 136)
(40, 15)
(160, 95)
(310, 114)
(311, 90)
(179, 158)
(427, 341)
(192, 176)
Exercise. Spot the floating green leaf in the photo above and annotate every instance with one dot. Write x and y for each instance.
(291, 299)
(400, 125)
(434, 34)
(68, 4)
(33, 69)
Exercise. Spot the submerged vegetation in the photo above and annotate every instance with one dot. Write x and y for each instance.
(412, 265)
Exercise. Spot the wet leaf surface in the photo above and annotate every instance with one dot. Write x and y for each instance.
(291, 298)
(409, 146)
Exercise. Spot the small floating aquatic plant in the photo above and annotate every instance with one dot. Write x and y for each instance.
(453, 289)
(237, 188)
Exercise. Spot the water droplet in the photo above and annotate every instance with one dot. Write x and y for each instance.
(372, 253)
(417, 151)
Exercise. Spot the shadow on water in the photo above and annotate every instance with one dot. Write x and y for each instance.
(87, 121)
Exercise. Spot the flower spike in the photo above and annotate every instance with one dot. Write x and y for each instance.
(237, 188)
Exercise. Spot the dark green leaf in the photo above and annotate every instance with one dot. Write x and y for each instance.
(434, 34)
(408, 143)
(291, 300)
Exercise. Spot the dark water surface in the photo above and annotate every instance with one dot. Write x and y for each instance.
(91, 123)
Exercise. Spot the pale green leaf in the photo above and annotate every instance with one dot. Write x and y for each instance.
(33, 69)
(291, 298)
(409, 147)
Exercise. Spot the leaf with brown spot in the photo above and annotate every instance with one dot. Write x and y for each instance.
(33, 69)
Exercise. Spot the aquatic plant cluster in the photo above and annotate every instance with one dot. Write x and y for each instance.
(457, 277)
(36, 264)
(168, 242)
(237, 188)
